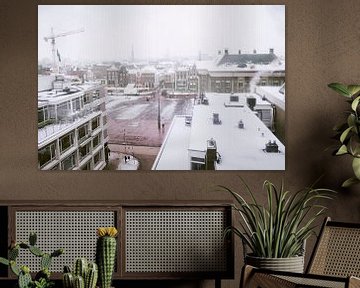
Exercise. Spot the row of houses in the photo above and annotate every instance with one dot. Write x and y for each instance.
(227, 73)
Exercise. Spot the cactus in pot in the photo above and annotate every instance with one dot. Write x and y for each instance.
(106, 254)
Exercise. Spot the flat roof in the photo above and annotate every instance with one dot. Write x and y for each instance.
(272, 94)
(51, 132)
(240, 149)
(173, 154)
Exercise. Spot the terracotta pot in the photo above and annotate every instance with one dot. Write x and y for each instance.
(291, 264)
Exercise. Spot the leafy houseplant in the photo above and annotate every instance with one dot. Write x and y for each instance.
(349, 132)
(42, 278)
(279, 229)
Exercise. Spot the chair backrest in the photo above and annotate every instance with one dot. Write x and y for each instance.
(337, 251)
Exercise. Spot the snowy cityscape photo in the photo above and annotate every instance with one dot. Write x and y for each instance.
(161, 87)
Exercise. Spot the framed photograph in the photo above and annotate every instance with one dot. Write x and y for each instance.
(161, 87)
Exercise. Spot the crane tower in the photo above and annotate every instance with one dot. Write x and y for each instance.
(52, 37)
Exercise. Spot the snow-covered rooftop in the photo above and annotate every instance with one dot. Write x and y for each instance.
(240, 149)
(272, 93)
(50, 132)
(173, 154)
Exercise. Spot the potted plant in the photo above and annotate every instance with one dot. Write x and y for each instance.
(276, 233)
(42, 278)
(348, 133)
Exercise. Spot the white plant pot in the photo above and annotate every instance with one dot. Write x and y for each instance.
(291, 264)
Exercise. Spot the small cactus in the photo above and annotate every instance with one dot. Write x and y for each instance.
(32, 239)
(68, 280)
(89, 272)
(91, 276)
(45, 261)
(80, 267)
(42, 278)
(36, 251)
(106, 254)
(79, 282)
(24, 278)
(13, 253)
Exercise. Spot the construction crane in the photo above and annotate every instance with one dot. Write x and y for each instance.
(52, 37)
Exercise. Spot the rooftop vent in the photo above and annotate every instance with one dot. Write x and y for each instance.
(241, 124)
(271, 50)
(254, 51)
(239, 52)
(211, 155)
(234, 98)
(271, 147)
(216, 119)
(226, 51)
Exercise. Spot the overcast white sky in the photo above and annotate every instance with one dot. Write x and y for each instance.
(160, 31)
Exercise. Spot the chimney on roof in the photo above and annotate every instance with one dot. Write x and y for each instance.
(211, 155)
(271, 50)
(254, 51)
(226, 51)
(239, 52)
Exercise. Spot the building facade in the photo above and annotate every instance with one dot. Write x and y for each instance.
(239, 73)
(72, 127)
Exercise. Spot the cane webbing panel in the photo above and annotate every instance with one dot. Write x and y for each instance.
(313, 282)
(338, 252)
(175, 241)
(74, 231)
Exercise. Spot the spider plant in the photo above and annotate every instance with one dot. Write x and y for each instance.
(279, 229)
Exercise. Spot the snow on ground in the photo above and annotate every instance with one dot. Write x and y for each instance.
(168, 111)
(113, 101)
(132, 112)
(132, 164)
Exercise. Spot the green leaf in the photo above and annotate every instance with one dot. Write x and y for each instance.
(340, 88)
(349, 182)
(4, 261)
(351, 120)
(353, 89)
(355, 103)
(356, 167)
(345, 134)
(342, 150)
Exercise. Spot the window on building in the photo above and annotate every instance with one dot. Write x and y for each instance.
(84, 150)
(63, 110)
(83, 132)
(43, 115)
(95, 123)
(97, 157)
(47, 154)
(97, 140)
(69, 162)
(66, 142)
(87, 98)
(96, 94)
(87, 166)
(76, 104)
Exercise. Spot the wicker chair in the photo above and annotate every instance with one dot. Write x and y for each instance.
(334, 263)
